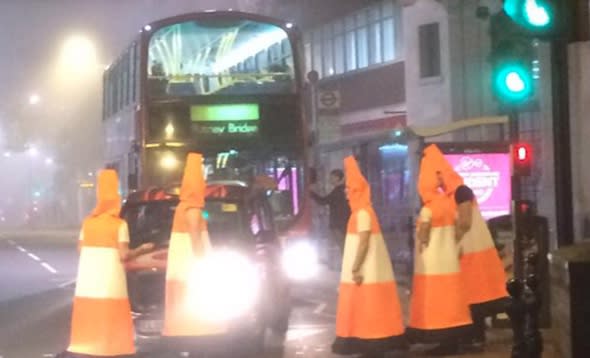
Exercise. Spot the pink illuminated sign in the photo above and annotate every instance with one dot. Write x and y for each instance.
(488, 175)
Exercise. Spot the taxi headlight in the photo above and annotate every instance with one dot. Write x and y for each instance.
(168, 161)
(222, 286)
(300, 260)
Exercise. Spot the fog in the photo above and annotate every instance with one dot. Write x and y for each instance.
(50, 144)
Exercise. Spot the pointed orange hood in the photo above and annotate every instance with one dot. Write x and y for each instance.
(433, 161)
(108, 200)
(358, 190)
(192, 189)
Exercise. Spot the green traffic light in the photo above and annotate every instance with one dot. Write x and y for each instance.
(532, 14)
(513, 83)
(536, 15)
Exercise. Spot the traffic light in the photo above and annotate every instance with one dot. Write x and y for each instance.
(541, 18)
(511, 57)
(522, 159)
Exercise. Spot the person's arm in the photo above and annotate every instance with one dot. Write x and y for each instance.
(323, 200)
(364, 229)
(464, 198)
(80, 239)
(126, 254)
(423, 230)
(464, 212)
(193, 219)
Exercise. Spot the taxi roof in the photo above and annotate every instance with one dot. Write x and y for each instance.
(220, 190)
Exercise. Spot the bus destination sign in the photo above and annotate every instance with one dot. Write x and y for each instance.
(225, 119)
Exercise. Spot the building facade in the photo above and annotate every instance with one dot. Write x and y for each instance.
(359, 58)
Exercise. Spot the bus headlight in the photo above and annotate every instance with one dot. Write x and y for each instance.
(300, 260)
(223, 286)
(169, 161)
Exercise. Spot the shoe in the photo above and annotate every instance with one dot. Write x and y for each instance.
(474, 346)
(444, 350)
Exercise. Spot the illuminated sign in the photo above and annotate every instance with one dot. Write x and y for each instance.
(220, 119)
(488, 175)
(225, 112)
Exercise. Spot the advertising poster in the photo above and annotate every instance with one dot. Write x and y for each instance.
(488, 175)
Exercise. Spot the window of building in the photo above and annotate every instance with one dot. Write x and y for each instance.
(365, 38)
(339, 54)
(429, 42)
(317, 52)
(328, 51)
(375, 44)
(307, 52)
(350, 51)
(389, 40)
(362, 48)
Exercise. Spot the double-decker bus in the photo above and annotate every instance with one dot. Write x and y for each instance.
(223, 83)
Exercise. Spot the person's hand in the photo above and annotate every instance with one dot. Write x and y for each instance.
(422, 245)
(147, 247)
(459, 235)
(357, 277)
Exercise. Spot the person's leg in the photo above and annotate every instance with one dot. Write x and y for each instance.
(479, 327)
(338, 237)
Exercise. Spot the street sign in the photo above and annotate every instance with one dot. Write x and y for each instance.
(329, 100)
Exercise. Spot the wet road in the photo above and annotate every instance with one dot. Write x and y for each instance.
(37, 286)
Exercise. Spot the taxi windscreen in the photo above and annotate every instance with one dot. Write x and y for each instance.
(151, 222)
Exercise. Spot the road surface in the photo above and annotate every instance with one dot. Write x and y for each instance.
(38, 280)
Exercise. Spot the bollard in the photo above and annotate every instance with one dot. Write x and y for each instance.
(523, 309)
(516, 310)
(533, 302)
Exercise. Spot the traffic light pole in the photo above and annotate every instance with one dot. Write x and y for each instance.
(562, 142)
(516, 195)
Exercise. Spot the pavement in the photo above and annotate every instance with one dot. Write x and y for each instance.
(37, 286)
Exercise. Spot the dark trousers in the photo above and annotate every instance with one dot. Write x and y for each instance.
(337, 237)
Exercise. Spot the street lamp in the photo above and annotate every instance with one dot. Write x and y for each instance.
(48, 161)
(78, 54)
(33, 152)
(34, 99)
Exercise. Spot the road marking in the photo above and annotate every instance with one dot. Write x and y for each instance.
(21, 249)
(34, 257)
(319, 308)
(11, 243)
(48, 355)
(67, 283)
(296, 334)
(48, 267)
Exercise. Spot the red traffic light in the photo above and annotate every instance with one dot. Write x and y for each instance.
(522, 159)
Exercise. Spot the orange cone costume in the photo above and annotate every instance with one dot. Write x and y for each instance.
(101, 317)
(481, 266)
(369, 317)
(439, 311)
(180, 320)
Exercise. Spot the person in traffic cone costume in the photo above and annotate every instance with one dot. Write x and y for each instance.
(189, 242)
(369, 318)
(101, 319)
(481, 266)
(439, 310)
